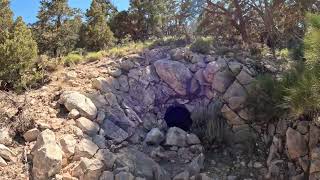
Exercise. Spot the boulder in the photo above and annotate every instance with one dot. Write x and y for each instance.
(176, 137)
(100, 141)
(87, 126)
(5, 137)
(105, 85)
(296, 144)
(154, 137)
(124, 176)
(31, 135)
(6, 153)
(244, 78)
(231, 116)
(123, 82)
(175, 74)
(140, 165)
(74, 114)
(182, 176)
(222, 80)
(212, 68)
(85, 148)
(88, 169)
(107, 175)
(75, 100)
(114, 132)
(47, 156)
(192, 139)
(68, 144)
(235, 96)
(196, 165)
(107, 157)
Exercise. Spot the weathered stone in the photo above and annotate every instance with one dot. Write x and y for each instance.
(107, 157)
(212, 68)
(298, 177)
(124, 176)
(196, 165)
(114, 132)
(74, 114)
(113, 71)
(235, 67)
(45, 137)
(314, 166)
(2, 162)
(236, 96)
(107, 175)
(176, 137)
(31, 135)
(99, 140)
(75, 100)
(175, 74)
(85, 148)
(244, 78)
(5, 137)
(303, 127)
(231, 116)
(47, 161)
(105, 84)
(296, 144)
(141, 165)
(154, 137)
(126, 65)
(192, 139)
(88, 169)
(314, 134)
(87, 126)
(182, 176)
(68, 144)
(124, 84)
(222, 80)
(6, 153)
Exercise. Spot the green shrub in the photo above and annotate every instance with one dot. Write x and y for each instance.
(312, 40)
(202, 45)
(72, 59)
(208, 123)
(94, 56)
(17, 54)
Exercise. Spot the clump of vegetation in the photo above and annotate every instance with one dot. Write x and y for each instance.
(126, 49)
(202, 45)
(208, 123)
(94, 56)
(72, 59)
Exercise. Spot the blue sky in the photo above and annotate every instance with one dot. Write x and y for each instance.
(28, 9)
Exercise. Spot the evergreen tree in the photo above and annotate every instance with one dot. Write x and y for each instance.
(6, 19)
(17, 53)
(98, 34)
(57, 28)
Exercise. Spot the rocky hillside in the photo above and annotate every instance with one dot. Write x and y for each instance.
(105, 120)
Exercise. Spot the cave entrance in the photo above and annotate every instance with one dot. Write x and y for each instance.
(178, 116)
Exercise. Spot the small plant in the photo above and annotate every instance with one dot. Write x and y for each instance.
(94, 56)
(72, 59)
(202, 45)
(208, 122)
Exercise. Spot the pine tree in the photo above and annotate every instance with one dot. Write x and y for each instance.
(6, 19)
(17, 53)
(98, 34)
(57, 28)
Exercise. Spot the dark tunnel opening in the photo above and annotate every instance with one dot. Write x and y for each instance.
(178, 116)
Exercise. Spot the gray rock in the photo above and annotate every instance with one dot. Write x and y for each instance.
(74, 114)
(212, 68)
(222, 80)
(175, 74)
(141, 165)
(192, 139)
(176, 137)
(296, 144)
(196, 165)
(68, 144)
(75, 100)
(107, 157)
(244, 78)
(236, 96)
(124, 176)
(182, 176)
(47, 156)
(6, 153)
(124, 85)
(231, 116)
(88, 169)
(105, 84)
(114, 132)
(99, 141)
(154, 137)
(87, 126)
(5, 137)
(31, 135)
(107, 175)
(85, 148)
